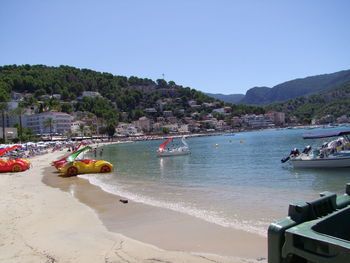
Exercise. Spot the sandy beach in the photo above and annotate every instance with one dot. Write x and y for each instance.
(77, 222)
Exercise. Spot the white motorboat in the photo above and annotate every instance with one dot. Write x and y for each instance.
(328, 162)
(183, 150)
(333, 154)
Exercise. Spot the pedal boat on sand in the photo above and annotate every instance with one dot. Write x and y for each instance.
(183, 150)
(333, 154)
(60, 162)
(74, 167)
(13, 165)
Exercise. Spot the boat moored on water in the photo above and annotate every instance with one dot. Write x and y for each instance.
(174, 151)
(333, 154)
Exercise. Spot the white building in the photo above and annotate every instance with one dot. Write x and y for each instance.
(167, 113)
(150, 110)
(126, 129)
(57, 96)
(257, 121)
(61, 122)
(10, 133)
(207, 104)
(184, 128)
(91, 94)
(181, 111)
(75, 127)
(192, 102)
(220, 110)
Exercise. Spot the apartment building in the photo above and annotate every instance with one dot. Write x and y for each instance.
(61, 122)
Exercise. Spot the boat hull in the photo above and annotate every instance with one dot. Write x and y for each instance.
(165, 154)
(321, 163)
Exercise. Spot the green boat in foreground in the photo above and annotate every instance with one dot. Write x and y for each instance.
(314, 232)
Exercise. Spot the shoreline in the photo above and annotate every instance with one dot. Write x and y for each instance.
(142, 222)
(162, 227)
(43, 223)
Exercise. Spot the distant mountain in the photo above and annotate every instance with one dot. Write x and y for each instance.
(231, 98)
(256, 96)
(295, 88)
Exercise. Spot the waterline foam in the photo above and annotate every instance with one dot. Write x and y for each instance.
(255, 227)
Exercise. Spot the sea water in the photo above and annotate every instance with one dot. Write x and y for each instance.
(233, 181)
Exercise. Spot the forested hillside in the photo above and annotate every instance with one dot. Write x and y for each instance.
(119, 93)
(335, 102)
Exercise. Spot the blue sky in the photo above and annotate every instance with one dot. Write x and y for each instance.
(218, 46)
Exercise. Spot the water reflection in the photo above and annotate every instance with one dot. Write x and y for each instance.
(173, 166)
(72, 189)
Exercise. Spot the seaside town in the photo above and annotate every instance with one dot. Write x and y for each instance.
(60, 125)
(55, 125)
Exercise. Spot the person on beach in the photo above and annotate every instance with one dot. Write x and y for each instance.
(101, 152)
(95, 152)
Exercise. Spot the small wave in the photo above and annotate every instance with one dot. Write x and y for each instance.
(255, 227)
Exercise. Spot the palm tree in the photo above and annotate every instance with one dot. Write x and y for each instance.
(3, 110)
(93, 129)
(48, 123)
(19, 111)
(82, 129)
(100, 124)
(69, 134)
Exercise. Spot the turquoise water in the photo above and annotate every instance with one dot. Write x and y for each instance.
(238, 183)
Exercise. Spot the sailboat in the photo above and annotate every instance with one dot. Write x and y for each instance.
(183, 150)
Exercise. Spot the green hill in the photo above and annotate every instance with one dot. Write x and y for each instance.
(118, 93)
(256, 96)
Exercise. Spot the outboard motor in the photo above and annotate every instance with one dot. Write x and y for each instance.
(307, 149)
(294, 152)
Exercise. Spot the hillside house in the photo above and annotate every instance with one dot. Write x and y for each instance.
(167, 113)
(143, 124)
(91, 94)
